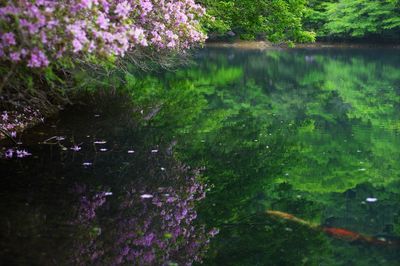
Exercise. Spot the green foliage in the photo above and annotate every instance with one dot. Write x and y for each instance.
(297, 21)
(278, 20)
(354, 18)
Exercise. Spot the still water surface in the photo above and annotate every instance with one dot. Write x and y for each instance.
(313, 133)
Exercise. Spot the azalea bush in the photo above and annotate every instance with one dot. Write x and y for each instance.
(38, 32)
(43, 42)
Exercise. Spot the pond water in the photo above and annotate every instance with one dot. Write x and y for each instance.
(174, 168)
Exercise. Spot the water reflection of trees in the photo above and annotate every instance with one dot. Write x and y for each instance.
(273, 130)
(319, 122)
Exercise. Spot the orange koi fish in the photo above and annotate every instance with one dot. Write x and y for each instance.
(287, 216)
(339, 233)
(344, 234)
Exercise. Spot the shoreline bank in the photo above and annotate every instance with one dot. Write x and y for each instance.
(263, 45)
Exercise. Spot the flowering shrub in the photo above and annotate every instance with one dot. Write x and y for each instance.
(38, 32)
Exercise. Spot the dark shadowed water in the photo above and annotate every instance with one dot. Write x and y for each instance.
(148, 173)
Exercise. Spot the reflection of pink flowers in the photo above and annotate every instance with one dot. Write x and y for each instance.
(22, 153)
(151, 229)
(214, 232)
(10, 153)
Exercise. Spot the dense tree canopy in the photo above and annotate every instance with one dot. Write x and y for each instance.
(355, 18)
(278, 20)
(298, 21)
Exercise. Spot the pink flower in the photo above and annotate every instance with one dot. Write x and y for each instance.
(8, 38)
(86, 3)
(102, 21)
(123, 9)
(77, 45)
(38, 59)
(15, 57)
(146, 5)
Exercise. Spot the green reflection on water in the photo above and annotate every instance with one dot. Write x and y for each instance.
(310, 132)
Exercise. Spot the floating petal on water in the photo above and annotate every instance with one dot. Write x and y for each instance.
(75, 148)
(371, 199)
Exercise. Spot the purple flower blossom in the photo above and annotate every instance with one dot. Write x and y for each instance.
(146, 5)
(123, 9)
(8, 39)
(103, 23)
(77, 45)
(38, 59)
(15, 56)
